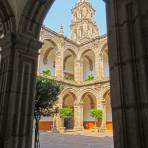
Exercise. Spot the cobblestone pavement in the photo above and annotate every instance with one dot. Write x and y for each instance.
(76, 140)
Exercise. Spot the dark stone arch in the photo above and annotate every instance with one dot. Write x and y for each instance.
(7, 17)
(33, 15)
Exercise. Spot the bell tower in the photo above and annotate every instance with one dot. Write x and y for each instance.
(83, 25)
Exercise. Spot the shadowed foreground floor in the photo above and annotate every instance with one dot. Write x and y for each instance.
(75, 140)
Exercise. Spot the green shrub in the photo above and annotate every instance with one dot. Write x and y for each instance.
(96, 113)
(46, 72)
(65, 112)
(90, 77)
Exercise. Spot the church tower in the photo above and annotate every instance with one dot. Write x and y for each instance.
(83, 24)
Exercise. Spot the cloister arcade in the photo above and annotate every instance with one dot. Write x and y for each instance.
(127, 40)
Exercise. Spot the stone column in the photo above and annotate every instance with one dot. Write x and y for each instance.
(18, 70)
(78, 116)
(128, 44)
(103, 125)
(98, 65)
(59, 65)
(77, 71)
(101, 67)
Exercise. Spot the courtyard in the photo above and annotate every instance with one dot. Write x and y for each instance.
(85, 139)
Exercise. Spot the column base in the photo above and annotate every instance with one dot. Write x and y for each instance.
(102, 129)
(79, 128)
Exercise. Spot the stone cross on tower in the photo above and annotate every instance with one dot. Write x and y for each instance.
(83, 24)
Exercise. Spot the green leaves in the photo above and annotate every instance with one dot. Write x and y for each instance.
(96, 113)
(90, 77)
(66, 112)
(46, 94)
(46, 72)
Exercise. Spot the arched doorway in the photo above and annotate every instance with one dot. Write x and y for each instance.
(89, 102)
(68, 101)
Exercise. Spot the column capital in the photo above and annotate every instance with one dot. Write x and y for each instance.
(20, 41)
(103, 101)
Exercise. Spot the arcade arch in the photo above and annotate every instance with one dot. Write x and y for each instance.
(88, 64)
(124, 72)
(108, 110)
(69, 59)
(89, 102)
(48, 57)
(68, 101)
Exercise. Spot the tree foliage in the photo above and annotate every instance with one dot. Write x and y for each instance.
(65, 112)
(47, 92)
(96, 113)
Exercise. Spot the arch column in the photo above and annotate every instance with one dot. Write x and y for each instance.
(98, 65)
(78, 116)
(18, 70)
(103, 125)
(128, 71)
(78, 71)
(59, 65)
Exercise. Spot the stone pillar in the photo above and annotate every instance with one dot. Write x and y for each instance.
(128, 44)
(103, 125)
(59, 65)
(101, 67)
(18, 70)
(77, 71)
(98, 65)
(78, 116)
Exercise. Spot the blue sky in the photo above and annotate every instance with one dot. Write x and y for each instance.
(60, 13)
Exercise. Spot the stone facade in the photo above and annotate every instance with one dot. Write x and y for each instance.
(71, 61)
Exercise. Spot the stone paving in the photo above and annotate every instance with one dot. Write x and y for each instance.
(76, 140)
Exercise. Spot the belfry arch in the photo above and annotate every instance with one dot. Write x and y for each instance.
(127, 21)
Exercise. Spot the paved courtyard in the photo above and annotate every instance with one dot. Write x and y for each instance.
(84, 139)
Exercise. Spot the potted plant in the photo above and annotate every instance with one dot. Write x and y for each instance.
(97, 114)
(90, 77)
(65, 112)
(46, 72)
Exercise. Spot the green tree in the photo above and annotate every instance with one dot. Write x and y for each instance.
(97, 114)
(46, 94)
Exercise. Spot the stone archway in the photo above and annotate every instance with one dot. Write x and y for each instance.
(48, 57)
(89, 102)
(127, 21)
(108, 110)
(88, 64)
(69, 101)
(68, 67)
